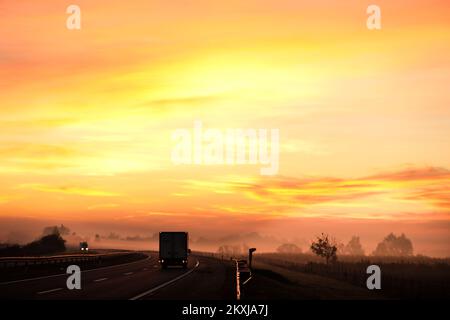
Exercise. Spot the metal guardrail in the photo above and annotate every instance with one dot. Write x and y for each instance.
(6, 262)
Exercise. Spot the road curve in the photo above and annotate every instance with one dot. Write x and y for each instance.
(136, 280)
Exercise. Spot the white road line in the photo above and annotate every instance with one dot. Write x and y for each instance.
(101, 279)
(245, 282)
(48, 291)
(128, 273)
(165, 284)
(65, 275)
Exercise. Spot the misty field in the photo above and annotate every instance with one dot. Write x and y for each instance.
(401, 277)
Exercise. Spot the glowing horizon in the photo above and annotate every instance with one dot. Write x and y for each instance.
(364, 116)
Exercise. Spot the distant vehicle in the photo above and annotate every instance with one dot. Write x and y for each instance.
(173, 249)
(84, 246)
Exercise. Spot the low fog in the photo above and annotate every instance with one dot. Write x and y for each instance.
(272, 237)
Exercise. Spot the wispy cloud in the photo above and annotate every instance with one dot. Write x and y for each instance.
(380, 194)
(71, 190)
(103, 206)
(32, 150)
(31, 125)
(438, 196)
(414, 174)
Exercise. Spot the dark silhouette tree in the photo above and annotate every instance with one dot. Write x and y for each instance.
(394, 246)
(325, 247)
(354, 247)
(62, 230)
(13, 250)
(49, 244)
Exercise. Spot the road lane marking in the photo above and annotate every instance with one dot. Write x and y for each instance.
(65, 275)
(245, 282)
(101, 279)
(49, 291)
(128, 273)
(165, 284)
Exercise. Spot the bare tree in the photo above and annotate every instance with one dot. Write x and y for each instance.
(325, 247)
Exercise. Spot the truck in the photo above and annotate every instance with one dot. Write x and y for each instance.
(173, 249)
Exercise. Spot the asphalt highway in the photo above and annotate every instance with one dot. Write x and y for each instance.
(205, 278)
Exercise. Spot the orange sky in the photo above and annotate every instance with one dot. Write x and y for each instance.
(86, 116)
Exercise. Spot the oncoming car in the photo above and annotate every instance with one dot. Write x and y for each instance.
(84, 246)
